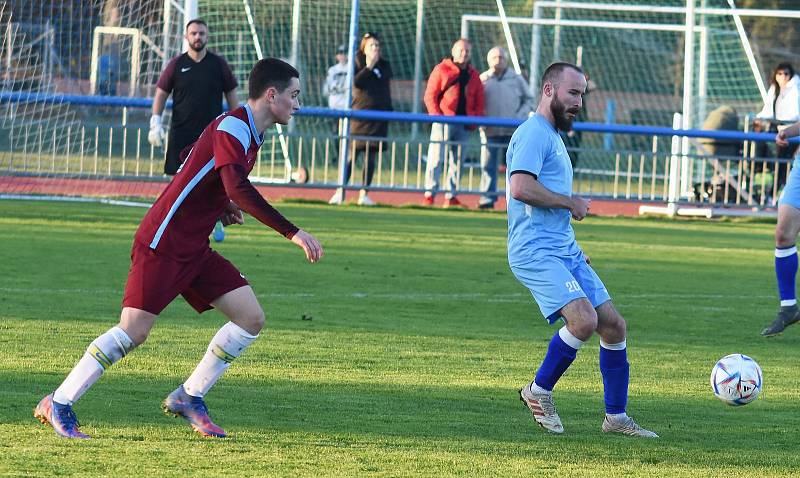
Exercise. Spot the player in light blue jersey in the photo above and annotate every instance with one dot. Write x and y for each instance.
(545, 257)
(786, 232)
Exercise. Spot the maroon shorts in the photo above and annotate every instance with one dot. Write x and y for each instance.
(154, 280)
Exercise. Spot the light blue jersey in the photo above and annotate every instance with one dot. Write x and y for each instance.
(542, 250)
(535, 232)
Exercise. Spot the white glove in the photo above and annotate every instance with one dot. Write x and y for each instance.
(156, 135)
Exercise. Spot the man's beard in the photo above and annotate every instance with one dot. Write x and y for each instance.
(559, 112)
(195, 48)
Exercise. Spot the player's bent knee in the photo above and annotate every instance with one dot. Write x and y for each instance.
(582, 329)
(622, 327)
(137, 324)
(784, 237)
(137, 336)
(788, 226)
(581, 318)
(258, 320)
(252, 321)
(611, 325)
(616, 328)
(607, 312)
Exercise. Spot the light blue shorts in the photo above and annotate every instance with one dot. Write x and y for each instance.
(791, 191)
(556, 281)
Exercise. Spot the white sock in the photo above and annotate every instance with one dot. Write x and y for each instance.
(617, 416)
(102, 353)
(619, 346)
(229, 343)
(537, 389)
(570, 339)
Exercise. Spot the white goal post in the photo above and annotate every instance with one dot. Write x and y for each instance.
(136, 42)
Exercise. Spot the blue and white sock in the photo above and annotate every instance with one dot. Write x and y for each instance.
(616, 373)
(102, 353)
(786, 272)
(560, 354)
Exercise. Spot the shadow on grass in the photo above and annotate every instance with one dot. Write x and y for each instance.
(473, 417)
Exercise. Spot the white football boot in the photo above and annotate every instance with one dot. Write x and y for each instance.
(543, 410)
(626, 426)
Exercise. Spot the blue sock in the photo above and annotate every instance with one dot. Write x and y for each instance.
(616, 373)
(558, 359)
(786, 271)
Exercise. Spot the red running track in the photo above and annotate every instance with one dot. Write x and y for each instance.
(112, 188)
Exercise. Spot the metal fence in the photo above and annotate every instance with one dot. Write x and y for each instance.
(661, 164)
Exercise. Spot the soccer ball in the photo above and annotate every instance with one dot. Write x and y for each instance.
(736, 379)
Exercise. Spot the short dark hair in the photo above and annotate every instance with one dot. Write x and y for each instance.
(270, 72)
(199, 21)
(553, 72)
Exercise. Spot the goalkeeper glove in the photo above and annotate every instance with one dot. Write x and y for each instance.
(156, 135)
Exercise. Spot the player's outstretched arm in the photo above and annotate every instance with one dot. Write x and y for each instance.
(525, 188)
(309, 244)
(242, 193)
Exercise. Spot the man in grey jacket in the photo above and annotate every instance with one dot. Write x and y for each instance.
(507, 95)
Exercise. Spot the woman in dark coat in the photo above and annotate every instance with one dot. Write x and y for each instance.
(371, 91)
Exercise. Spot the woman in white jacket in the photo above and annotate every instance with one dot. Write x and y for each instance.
(782, 107)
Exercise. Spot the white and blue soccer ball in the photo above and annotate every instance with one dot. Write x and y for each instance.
(736, 379)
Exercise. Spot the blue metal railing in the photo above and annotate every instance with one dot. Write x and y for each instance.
(313, 111)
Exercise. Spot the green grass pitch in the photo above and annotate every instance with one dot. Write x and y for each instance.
(418, 340)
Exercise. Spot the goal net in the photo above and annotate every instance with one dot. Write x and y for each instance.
(634, 56)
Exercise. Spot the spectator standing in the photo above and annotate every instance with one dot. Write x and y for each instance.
(335, 89)
(371, 91)
(454, 89)
(781, 109)
(507, 95)
(197, 80)
(783, 101)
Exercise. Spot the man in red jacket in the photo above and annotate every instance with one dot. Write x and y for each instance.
(454, 89)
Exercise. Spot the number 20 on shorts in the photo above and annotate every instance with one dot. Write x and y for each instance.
(573, 286)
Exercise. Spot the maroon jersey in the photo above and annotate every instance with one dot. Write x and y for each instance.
(214, 173)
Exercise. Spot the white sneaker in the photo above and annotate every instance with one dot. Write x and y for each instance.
(364, 200)
(338, 198)
(626, 426)
(543, 410)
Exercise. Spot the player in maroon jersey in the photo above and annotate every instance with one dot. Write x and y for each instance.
(197, 80)
(171, 255)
